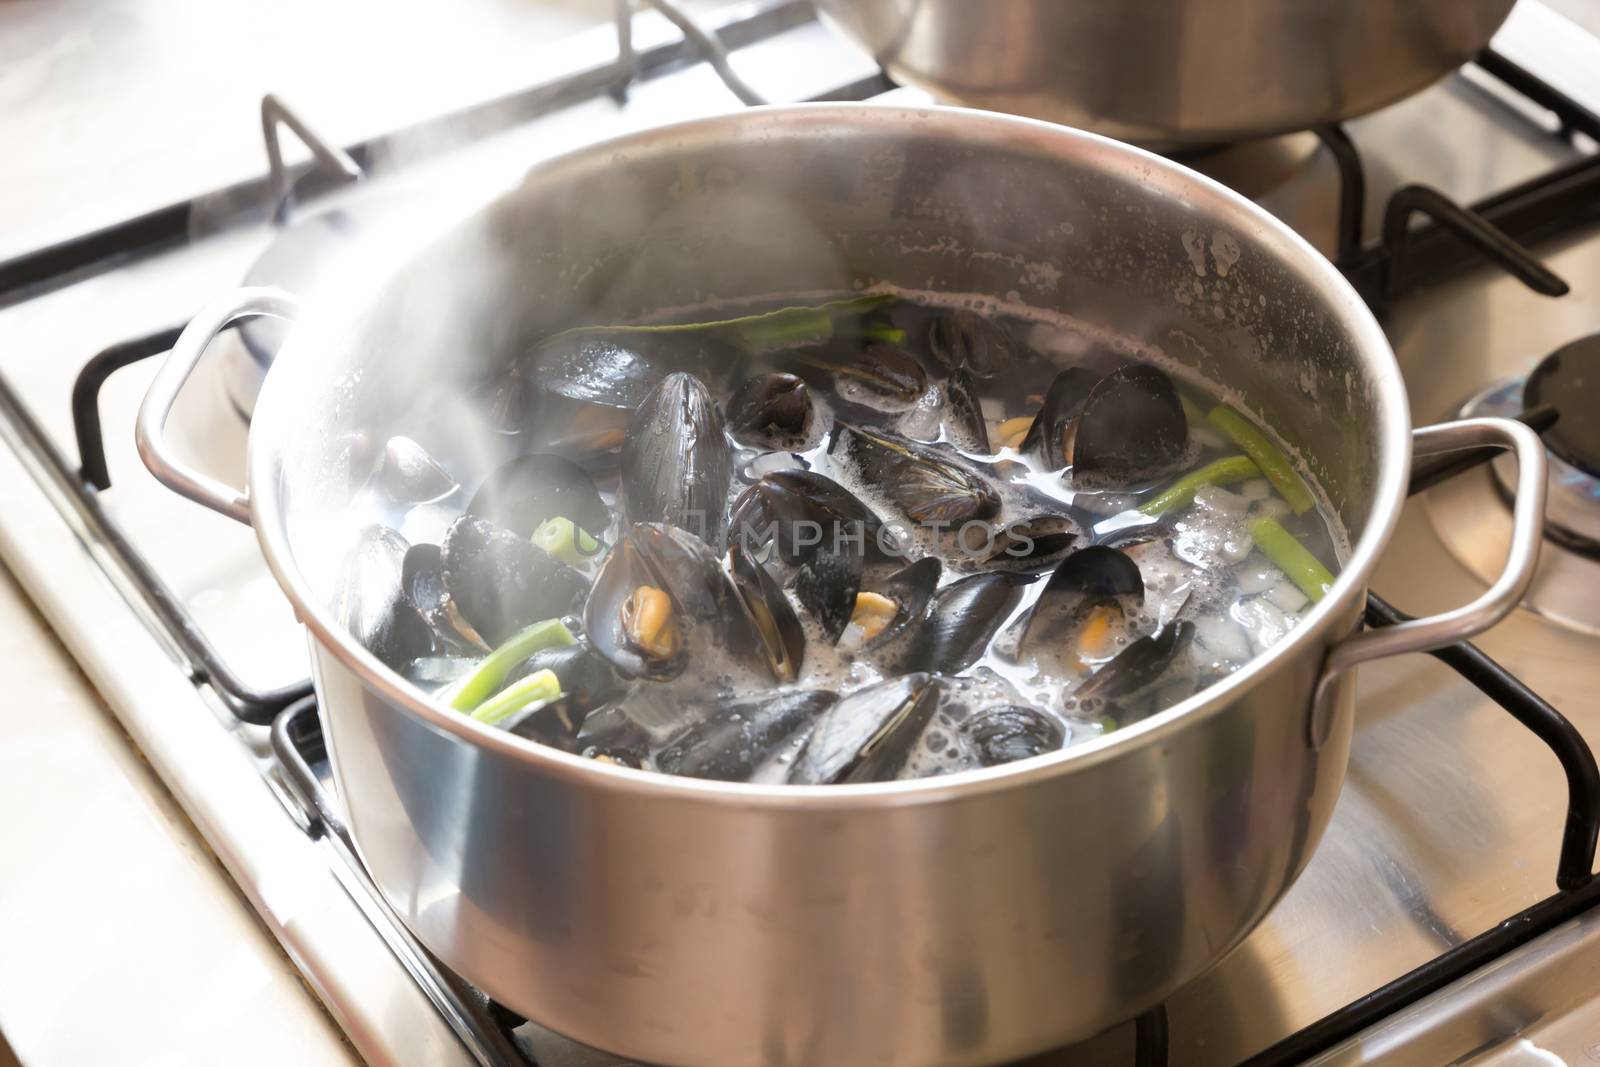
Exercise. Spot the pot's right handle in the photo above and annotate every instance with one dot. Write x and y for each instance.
(149, 430)
(1458, 624)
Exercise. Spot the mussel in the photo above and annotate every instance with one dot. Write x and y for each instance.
(885, 616)
(880, 375)
(499, 582)
(1139, 665)
(964, 423)
(1096, 578)
(963, 338)
(676, 463)
(619, 369)
(1011, 732)
(372, 604)
(775, 632)
(1050, 434)
(924, 482)
(962, 619)
(529, 489)
(1132, 429)
(659, 590)
(800, 511)
(867, 736)
(741, 735)
(770, 408)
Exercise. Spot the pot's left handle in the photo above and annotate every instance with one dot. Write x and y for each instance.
(1495, 603)
(149, 430)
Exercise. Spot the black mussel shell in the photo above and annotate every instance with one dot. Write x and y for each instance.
(867, 736)
(422, 582)
(739, 736)
(1033, 544)
(499, 582)
(609, 736)
(1139, 665)
(526, 491)
(1088, 576)
(912, 589)
(800, 511)
(676, 463)
(770, 407)
(924, 482)
(775, 634)
(371, 602)
(1009, 733)
(962, 620)
(826, 584)
(1051, 430)
(879, 372)
(679, 564)
(964, 422)
(407, 474)
(1132, 428)
(620, 369)
(967, 339)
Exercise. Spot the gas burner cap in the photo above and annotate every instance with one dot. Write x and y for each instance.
(1569, 381)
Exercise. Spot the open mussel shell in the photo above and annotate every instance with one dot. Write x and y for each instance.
(775, 633)
(1139, 665)
(1050, 434)
(657, 558)
(826, 583)
(739, 736)
(527, 490)
(963, 338)
(1092, 575)
(868, 735)
(676, 462)
(1011, 732)
(1132, 429)
(800, 511)
(620, 369)
(964, 423)
(961, 620)
(499, 582)
(772, 408)
(923, 482)
(910, 589)
(371, 603)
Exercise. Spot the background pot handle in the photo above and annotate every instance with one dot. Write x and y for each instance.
(1458, 624)
(149, 430)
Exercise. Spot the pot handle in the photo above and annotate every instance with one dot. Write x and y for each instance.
(149, 430)
(1457, 624)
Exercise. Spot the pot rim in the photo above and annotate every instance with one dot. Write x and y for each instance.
(264, 464)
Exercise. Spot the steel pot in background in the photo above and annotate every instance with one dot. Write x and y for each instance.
(970, 919)
(1171, 72)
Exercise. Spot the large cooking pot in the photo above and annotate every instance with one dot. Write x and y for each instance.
(960, 920)
(1170, 72)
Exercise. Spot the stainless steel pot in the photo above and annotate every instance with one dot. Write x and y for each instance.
(961, 920)
(1171, 72)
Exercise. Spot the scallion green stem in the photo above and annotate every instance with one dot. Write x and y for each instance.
(537, 688)
(476, 686)
(1229, 471)
(1273, 463)
(1292, 558)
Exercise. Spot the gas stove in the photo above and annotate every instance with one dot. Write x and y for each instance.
(1448, 914)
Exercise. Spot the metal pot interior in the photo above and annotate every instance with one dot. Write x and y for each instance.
(1148, 256)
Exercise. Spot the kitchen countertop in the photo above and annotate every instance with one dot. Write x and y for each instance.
(124, 940)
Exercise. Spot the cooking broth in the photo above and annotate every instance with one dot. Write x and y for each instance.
(775, 618)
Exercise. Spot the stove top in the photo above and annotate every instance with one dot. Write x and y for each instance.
(1429, 925)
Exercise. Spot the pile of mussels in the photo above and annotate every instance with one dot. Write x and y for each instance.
(845, 543)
